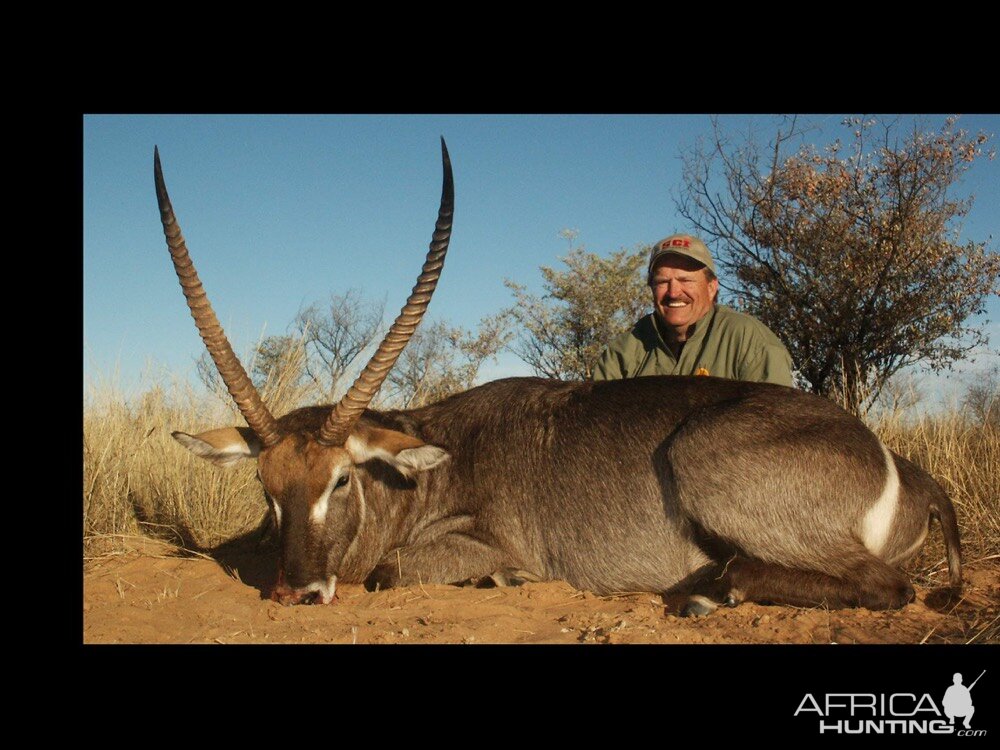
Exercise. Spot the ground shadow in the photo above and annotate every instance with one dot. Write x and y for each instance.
(943, 599)
(251, 557)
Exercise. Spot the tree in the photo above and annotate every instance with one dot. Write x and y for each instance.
(312, 361)
(850, 253)
(982, 397)
(564, 332)
(335, 336)
(440, 360)
(329, 345)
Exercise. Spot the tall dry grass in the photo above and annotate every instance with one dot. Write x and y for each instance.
(963, 455)
(138, 481)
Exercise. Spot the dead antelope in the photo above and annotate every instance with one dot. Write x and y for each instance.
(724, 490)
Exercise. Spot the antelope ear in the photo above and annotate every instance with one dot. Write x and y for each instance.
(405, 452)
(423, 458)
(224, 446)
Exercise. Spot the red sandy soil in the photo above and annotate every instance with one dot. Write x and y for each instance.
(160, 595)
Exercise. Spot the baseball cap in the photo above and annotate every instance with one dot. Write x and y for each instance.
(681, 244)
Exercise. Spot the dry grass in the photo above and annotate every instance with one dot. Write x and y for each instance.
(963, 455)
(137, 480)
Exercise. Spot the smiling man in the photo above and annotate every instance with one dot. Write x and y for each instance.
(688, 333)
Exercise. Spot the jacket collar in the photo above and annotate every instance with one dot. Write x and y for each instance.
(697, 334)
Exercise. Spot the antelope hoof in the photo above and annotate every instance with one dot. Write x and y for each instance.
(698, 606)
(901, 596)
(385, 576)
(513, 577)
(734, 598)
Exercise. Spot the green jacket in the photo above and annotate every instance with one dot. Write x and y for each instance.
(725, 343)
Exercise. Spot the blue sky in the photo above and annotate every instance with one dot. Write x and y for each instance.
(281, 211)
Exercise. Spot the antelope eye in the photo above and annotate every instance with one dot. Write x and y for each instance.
(342, 481)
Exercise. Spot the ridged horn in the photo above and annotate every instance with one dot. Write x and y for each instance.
(348, 410)
(235, 377)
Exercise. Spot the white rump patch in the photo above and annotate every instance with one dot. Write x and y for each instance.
(877, 523)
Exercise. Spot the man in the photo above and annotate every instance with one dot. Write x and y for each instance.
(688, 334)
(957, 700)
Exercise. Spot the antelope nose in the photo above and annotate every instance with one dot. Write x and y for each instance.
(287, 596)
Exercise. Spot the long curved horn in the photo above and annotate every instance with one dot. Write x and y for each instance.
(235, 377)
(348, 410)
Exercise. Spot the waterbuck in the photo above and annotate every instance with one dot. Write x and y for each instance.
(723, 490)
